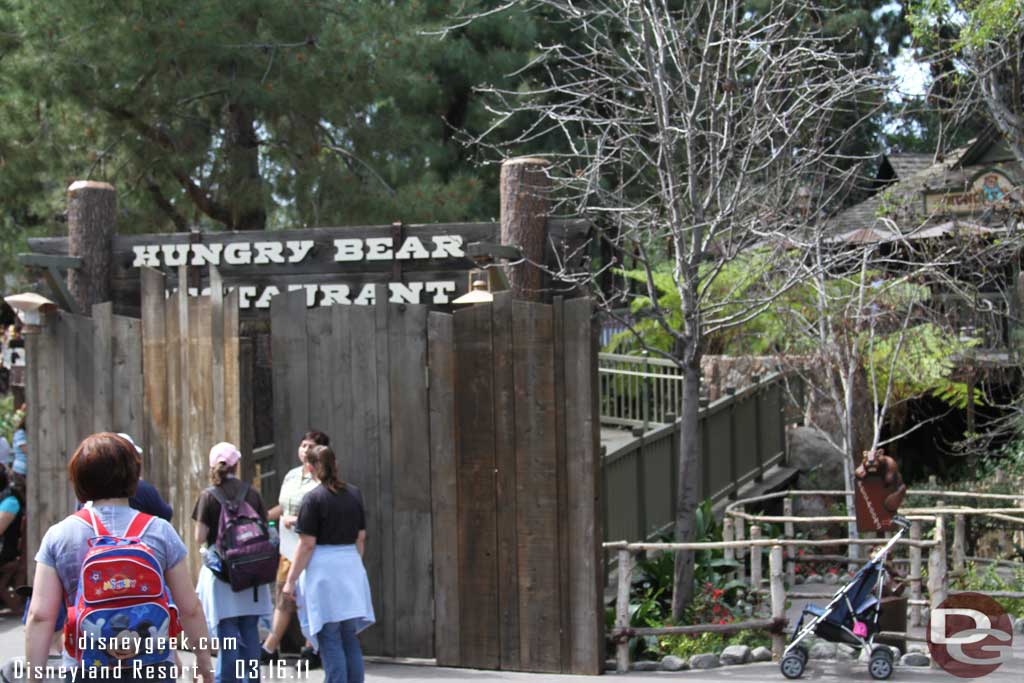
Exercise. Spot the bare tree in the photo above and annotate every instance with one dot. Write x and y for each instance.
(691, 127)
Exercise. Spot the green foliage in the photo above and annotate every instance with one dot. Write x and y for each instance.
(10, 417)
(989, 578)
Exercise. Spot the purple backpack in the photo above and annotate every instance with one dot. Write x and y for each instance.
(248, 555)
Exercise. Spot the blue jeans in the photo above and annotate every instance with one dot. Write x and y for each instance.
(340, 652)
(243, 662)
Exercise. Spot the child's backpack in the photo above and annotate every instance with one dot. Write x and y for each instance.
(248, 555)
(122, 611)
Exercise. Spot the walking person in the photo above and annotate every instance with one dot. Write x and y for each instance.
(327, 578)
(296, 484)
(229, 613)
(147, 499)
(12, 564)
(105, 469)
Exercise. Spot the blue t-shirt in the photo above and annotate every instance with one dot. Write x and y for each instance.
(10, 504)
(20, 458)
(147, 499)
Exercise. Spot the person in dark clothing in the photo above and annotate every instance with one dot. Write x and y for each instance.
(12, 566)
(147, 499)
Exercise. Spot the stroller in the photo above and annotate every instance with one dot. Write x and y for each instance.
(851, 617)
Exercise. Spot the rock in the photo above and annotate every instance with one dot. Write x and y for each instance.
(915, 659)
(798, 579)
(917, 647)
(706, 660)
(673, 663)
(819, 463)
(822, 650)
(845, 653)
(831, 579)
(610, 665)
(734, 654)
(645, 665)
(1018, 626)
(815, 578)
(761, 654)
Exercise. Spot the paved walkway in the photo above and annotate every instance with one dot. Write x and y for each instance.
(12, 645)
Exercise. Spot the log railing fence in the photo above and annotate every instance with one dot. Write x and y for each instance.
(941, 556)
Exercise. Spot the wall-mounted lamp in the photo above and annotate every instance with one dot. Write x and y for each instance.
(31, 307)
(479, 291)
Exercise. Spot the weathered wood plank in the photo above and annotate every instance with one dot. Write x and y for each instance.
(320, 360)
(480, 641)
(583, 472)
(174, 452)
(566, 544)
(103, 375)
(356, 395)
(537, 481)
(77, 336)
(217, 344)
(154, 360)
(414, 599)
(291, 377)
(234, 382)
(200, 436)
(385, 474)
(502, 335)
(127, 376)
(34, 399)
(444, 490)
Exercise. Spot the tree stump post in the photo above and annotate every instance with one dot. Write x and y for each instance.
(92, 212)
(937, 574)
(741, 535)
(728, 553)
(622, 610)
(789, 533)
(915, 573)
(778, 598)
(525, 188)
(755, 559)
(959, 543)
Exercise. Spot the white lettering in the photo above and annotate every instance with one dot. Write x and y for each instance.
(245, 296)
(348, 250)
(299, 249)
(447, 246)
(335, 294)
(440, 290)
(146, 256)
(268, 252)
(269, 293)
(378, 249)
(938, 625)
(412, 248)
(367, 296)
(237, 254)
(206, 254)
(175, 254)
(402, 293)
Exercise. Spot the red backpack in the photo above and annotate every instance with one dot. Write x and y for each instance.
(122, 611)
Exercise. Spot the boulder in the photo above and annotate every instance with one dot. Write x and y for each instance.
(673, 663)
(706, 660)
(915, 659)
(822, 650)
(815, 578)
(831, 579)
(820, 464)
(761, 654)
(1018, 626)
(798, 579)
(734, 654)
(645, 665)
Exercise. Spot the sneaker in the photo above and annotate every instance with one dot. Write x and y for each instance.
(266, 656)
(312, 657)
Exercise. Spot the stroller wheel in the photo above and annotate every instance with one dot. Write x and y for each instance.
(880, 664)
(793, 664)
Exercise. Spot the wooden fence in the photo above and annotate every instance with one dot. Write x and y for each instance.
(742, 437)
(84, 376)
(474, 439)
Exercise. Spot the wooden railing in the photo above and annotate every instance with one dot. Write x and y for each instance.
(638, 390)
(743, 435)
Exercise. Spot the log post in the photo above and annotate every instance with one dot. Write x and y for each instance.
(778, 597)
(788, 533)
(915, 573)
(622, 610)
(937, 570)
(92, 211)
(755, 559)
(525, 204)
(959, 542)
(728, 524)
(740, 532)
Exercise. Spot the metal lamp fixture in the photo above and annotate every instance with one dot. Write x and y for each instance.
(479, 290)
(31, 307)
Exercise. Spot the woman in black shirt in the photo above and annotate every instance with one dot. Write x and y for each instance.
(333, 591)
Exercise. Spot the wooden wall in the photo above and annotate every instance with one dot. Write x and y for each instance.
(474, 439)
(84, 375)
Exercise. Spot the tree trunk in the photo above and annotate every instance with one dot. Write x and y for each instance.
(245, 184)
(688, 488)
(525, 187)
(92, 211)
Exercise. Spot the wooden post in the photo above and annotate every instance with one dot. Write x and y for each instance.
(740, 531)
(778, 597)
(622, 609)
(728, 535)
(937, 574)
(92, 208)
(915, 573)
(959, 542)
(1002, 537)
(525, 204)
(787, 531)
(755, 559)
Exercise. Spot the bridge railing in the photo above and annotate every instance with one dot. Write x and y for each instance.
(638, 390)
(743, 435)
